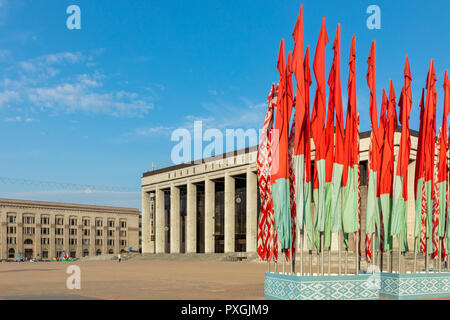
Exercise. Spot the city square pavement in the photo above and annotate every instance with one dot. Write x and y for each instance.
(134, 279)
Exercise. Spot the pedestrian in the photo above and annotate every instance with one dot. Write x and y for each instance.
(119, 257)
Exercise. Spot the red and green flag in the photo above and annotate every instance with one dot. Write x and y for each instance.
(387, 167)
(318, 129)
(280, 166)
(350, 175)
(372, 217)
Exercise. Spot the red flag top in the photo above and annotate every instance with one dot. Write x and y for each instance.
(442, 174)
(387, 161)
(307, 134)
(420, 148)
(371, 82)
(280, 168)
(298, 69)
(351, 132)
(405, 104)
(430, 124)
(319, 109)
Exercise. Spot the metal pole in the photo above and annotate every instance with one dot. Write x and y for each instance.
(373, 252)
(310, 262)
(339, 252)
(427, 269)
(346, 261)
(439, 256)
(357, 254)
(321, 254)
(329, 261)
(415, 254)
(381, 260)
(300, 247)
(400, 252)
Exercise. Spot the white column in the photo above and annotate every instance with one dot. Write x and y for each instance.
(209, 215)
(230, 208)
(191, 216)
(3, 237)
(145, 223)
(174, 219)
(251, 211)
(159, 221)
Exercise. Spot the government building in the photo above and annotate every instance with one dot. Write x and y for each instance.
(212, 205)
(43, 230)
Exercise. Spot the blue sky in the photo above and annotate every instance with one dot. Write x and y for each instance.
(98, 105)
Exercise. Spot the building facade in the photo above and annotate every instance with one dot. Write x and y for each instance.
(43, 230)
(212, 205)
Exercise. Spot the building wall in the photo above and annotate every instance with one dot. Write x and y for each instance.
(43, 230)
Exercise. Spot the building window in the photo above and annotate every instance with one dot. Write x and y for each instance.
(86, 232)
(99, 233)
(11, 219)
(99, 252)
(73, 241)
(86, 242)
(111, 223)
(28, 220)
(123, 243)
(123, 233)
(45, 220)
(59, 241)
(45, 240)
(73, 221)
(73, 232)
(86, 222)
(110, 242)
(85, 253)
(110, 233)
(98, 223)
(45, 254)
(11, 253)
(45, 231)
(59, 231)
(28, 230)
(28, 241)
(98, 242)
(111, 251)
(73, 254)
(123, 224)
(11, 240)
(59, 221)
(11, 230)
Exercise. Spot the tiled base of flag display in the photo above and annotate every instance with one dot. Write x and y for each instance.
(294, 287)
(415, 285)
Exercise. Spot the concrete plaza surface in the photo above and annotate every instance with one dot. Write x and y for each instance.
(134, 279)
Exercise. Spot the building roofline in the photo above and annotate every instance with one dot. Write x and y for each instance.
(70, 206)
(362, 135)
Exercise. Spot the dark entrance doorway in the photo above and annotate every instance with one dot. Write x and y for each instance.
(219, 216)
(200, 219)
(28, 254)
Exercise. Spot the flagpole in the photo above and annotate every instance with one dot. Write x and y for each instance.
(439, 255)
(310, 262)
(426, 257)
(301, 251)
(415, 254)
(400, 252)
(373, 252)
(339, 252)
(346, 261)
(321, 254)
(357, 254)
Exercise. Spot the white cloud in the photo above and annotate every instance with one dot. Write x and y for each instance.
(40, 85)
